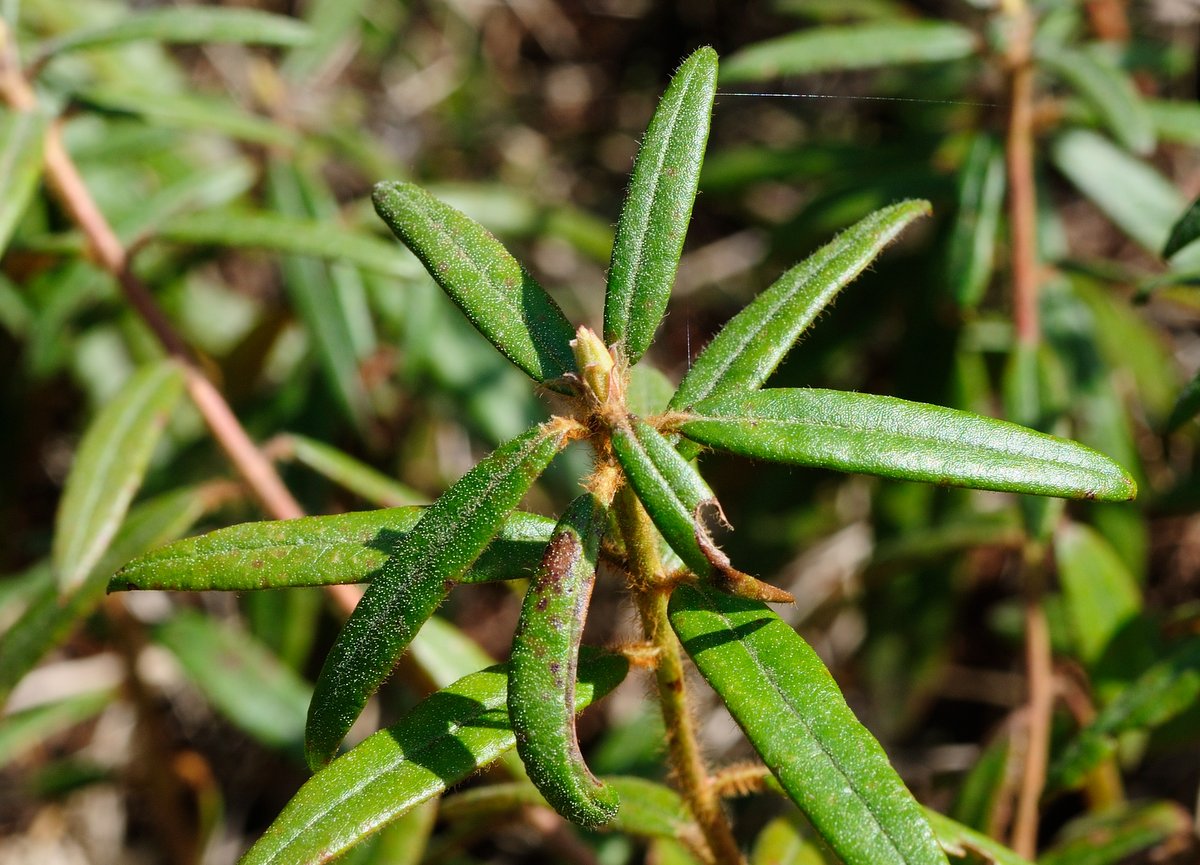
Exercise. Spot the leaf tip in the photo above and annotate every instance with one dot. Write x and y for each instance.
(727, 578)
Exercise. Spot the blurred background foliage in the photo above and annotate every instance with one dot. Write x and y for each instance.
(235, 166)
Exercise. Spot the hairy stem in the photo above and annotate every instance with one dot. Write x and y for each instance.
(687, 761)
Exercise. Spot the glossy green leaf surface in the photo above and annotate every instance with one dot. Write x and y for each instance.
(972, 246)
(245, 229)
(794, 714)
(541, 670)
(679, 501)
(319, 551)
(450, 535)
(868, 46)
(21, 150)
(1187, 406)
(1141, 202)
(240, 678)
(647, 809)
(1108, 90)
(184, 24)
(1113, 836)
(1162, 692)
(963, 843)
(108, 469)
(895, 438)
(658, 207)
(341, 468)
(23, 730)
(49, 617)
(493, 290)
(748, 348)
(443, 740)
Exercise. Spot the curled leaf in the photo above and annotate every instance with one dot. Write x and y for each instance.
(545, 654)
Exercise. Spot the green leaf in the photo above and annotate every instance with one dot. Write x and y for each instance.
(541, 670)
(981, 793)
(1113, 836)
(1187, 406)
(493, 290)
(792, 711)
(1162, 692)
(260, 230)
(1178, 122)
(328, 298)
(205, 114)
(1184, 231)
(647, 809)
(21, 152)
(319, 551)
(49, 617)
(1141, 202)
(678, 500)
(344, 470)
(450, 535)
(869, 46)
(23, 730)
(108, 469)
(184, 25)
(749, 347)
(972, 248)
(446, 738)
(962, 842)
(895, 438)
(658, 207)
(1108, 90)
(786, 841)
(242, 680)
(1102, 597)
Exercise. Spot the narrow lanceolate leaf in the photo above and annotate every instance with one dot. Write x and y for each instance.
(1165, 690)
(1113, 836)
(658, 207)
(972, 247)
(749, 347)
(792, 711)
(245, 229)
(963, 842)
(1108, 90)
(341, 468)
(647, 809)
(21, 135)
(894, 438)
(242, 680)
(319, 551)
(108, 469)
(868, 46)
(678, 501)
(541, 671)
(787, 841)
(186, 25)
(445, 739)
(49, 617)
(22, 731)
(1184, 231)
(1187, 406)
(492, 289)
(414, 580)
(1102, 596)
(1141, 202)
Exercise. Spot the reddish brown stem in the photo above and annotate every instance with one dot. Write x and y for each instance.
(1040, 671)
(109, 253)
(1022, 191)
